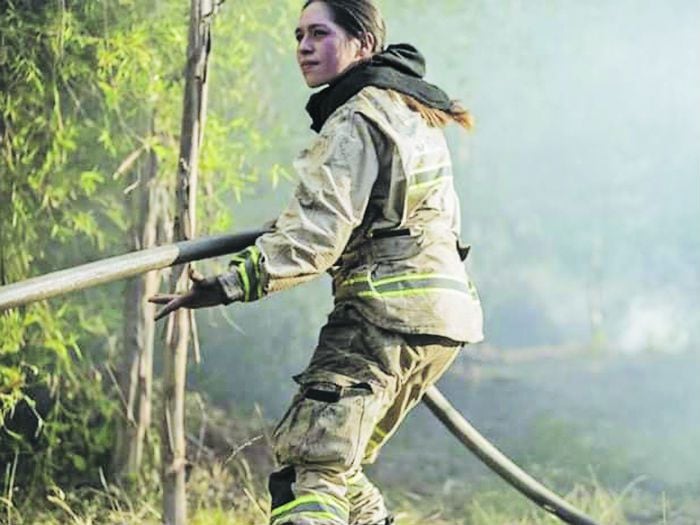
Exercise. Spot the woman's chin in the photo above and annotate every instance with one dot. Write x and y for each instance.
(314, 81)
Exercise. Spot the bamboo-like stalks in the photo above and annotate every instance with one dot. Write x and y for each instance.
(173, 438)
(136, 369)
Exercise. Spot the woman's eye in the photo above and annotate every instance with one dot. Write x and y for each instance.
(319, 33)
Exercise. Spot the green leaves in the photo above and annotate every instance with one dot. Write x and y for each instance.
(11, 329)
(89, 182)
(90, 100)
(56, 210)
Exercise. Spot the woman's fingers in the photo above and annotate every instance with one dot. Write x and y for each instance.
(195, 276)
(173, 305)
(200, 295)
(171, 301)
(163, 298)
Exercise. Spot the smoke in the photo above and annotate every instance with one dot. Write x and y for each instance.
(655, 323)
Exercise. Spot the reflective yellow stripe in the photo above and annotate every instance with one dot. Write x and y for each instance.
(244, 281)
(377, 437)
(320, 515)
(379, 431)
(398, 278)
(408, 293)
(247, 263)
(403, 286)
(414, 277)
(354, 280)
(255, 259)
(423, 182)
(435, 167)
(428, 184)
(323, 500)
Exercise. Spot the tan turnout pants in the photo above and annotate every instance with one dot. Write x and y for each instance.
(359, 386)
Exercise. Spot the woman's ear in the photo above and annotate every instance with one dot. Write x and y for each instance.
(367, 43)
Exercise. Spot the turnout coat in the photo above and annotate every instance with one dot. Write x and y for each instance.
(376, 207)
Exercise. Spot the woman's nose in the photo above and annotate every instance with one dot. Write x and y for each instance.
(305, 46)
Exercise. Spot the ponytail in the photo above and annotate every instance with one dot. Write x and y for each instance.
(438, 118)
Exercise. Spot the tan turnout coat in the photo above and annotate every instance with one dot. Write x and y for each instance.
(376, 207)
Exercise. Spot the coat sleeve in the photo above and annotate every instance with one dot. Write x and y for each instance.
(336, 176)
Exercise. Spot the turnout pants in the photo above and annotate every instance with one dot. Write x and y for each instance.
(359, 386)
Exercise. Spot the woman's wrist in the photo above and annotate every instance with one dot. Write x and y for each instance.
(231, 288)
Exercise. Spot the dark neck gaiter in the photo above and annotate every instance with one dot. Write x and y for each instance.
(400, 67)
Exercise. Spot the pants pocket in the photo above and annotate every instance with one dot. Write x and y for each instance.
(323, 426)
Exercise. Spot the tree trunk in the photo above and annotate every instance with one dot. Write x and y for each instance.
(139, 330)
(178, 334)
(150, 285)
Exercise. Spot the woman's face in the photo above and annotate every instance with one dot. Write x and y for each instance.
(324, 49)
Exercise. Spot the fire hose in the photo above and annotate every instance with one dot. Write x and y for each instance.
(139, 262)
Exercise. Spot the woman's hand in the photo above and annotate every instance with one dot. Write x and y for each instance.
(205, 291)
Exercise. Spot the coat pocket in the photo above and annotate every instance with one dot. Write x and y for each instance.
(396, 248)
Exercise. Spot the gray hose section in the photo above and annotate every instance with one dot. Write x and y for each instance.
(499, 463)
(136, 263)
(121, 267)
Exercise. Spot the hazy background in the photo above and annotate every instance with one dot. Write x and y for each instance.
(580, 189)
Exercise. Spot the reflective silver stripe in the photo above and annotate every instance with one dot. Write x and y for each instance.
(319, 517)
(318, 505)
(404, 285)
(421, 179)
(424, 181)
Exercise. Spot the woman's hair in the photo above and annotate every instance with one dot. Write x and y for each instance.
(359, 17)
(438, 118)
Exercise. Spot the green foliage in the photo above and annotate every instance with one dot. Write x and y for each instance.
(225, 483)
(60, 139)
(87, 91)
(220, 494)
(71, 436)
(51, 97)
(241, 127)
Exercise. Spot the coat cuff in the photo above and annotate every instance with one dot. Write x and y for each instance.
(245, 282)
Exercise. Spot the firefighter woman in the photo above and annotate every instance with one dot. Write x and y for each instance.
(376, 207)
